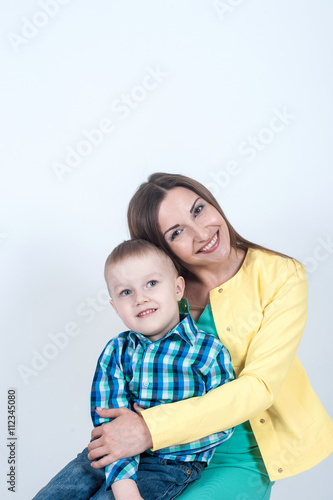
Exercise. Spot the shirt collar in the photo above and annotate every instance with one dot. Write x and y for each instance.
(186, 329)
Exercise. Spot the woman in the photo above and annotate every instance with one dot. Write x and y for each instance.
(255, 301)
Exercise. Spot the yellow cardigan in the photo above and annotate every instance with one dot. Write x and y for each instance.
(260, 314)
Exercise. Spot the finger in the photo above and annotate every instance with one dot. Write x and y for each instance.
(138, 408)
(97, 453)
(111, 412)
(97, 443)
(97, 432)
(103, 462)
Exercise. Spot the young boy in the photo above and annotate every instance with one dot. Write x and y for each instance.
(162, 358)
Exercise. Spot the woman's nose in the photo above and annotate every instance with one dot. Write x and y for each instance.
(201, 233)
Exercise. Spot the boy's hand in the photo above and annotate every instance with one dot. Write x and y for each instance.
(126, 436)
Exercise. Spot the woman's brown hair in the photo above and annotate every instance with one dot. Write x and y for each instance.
(143, 208)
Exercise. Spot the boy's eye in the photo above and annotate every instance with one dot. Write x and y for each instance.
(151, 283)
(125, 292)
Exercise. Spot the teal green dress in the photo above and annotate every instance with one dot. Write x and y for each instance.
(237, 470)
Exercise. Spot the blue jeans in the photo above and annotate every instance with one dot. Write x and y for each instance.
(158, 479)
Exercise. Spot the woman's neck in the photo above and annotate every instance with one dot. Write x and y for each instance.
(206, 278)
(212, 276)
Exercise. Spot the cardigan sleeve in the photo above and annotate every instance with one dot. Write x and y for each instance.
(268, 359)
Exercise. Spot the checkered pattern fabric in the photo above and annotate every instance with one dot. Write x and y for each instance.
(185, 363)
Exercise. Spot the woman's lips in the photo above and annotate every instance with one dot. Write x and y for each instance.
(211, 245)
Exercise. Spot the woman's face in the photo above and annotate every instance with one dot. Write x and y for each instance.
(193, 229)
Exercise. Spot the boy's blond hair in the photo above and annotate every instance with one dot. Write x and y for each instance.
(134, 248)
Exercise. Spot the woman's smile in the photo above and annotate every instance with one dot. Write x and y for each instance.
(193, 229)
(212, 245)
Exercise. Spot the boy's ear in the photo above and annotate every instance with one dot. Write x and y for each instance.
(180, 287)
(114, 307)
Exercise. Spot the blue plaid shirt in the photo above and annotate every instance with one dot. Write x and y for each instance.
(186, 362)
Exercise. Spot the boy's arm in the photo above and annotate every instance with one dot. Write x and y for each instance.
(125, 489)
(110, 390)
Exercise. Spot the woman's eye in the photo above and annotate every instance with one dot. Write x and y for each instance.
(175, 234)
(125, 292)
(198, 209)
(151, 283)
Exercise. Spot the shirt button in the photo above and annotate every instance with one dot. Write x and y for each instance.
(151, 347)
(262, 420)
(228, 328)
(145, 383)
(280, 470)
(220, 290)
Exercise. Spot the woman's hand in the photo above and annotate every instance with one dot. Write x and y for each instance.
(127, 435)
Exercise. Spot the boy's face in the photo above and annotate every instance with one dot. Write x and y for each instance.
(144, 292)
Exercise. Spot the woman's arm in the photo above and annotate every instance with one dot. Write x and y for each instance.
(127, 435)
(268, 360)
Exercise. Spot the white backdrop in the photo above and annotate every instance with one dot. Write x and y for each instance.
(97, 95)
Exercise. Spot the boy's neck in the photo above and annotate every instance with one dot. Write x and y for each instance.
(159, 336)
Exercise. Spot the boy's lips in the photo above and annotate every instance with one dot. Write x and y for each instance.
(211, 245)
(146, 312)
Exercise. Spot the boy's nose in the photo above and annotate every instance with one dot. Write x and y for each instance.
(141, 299)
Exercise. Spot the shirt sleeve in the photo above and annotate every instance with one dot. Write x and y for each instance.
(268, 359)
(219, 372)
(110, 390)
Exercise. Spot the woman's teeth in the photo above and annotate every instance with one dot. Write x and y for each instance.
(210, 244)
